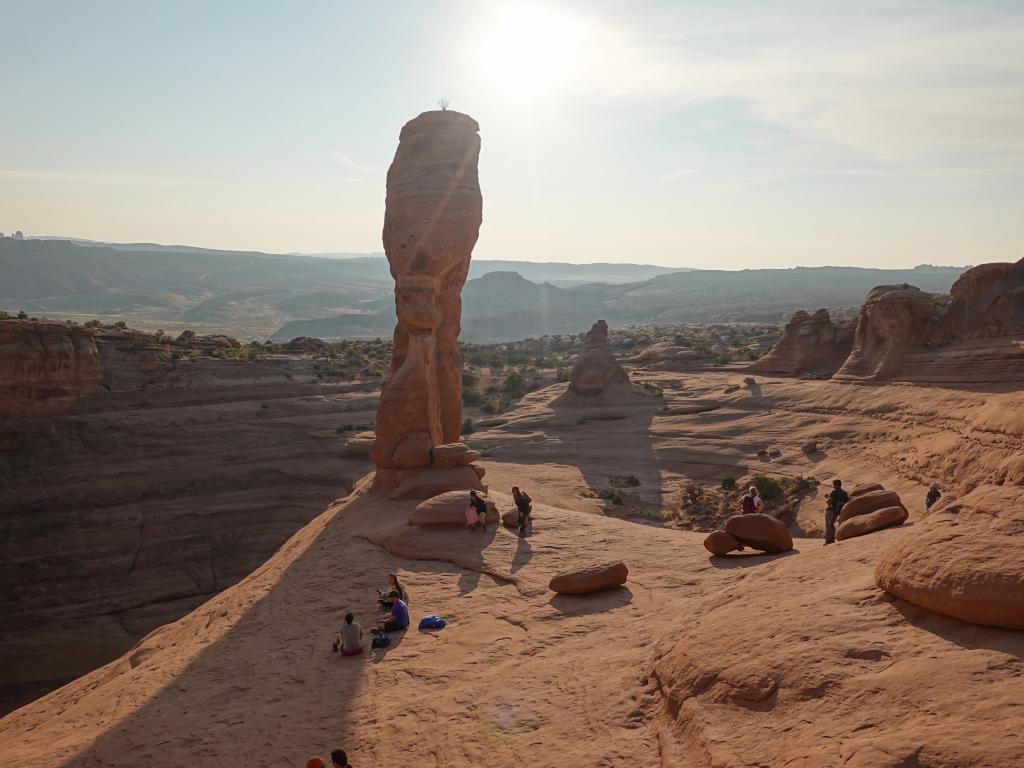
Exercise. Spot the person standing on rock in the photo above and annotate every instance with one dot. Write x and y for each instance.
(750, 503)
(934, 494)
(524, 505)
(476, 512)
(835, 501)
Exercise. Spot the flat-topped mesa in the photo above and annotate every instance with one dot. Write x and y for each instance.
(431, 223)
(596, 375)
(809, 343)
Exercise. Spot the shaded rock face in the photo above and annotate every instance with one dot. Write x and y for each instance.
(133, 360)
(963, 559)
(971, 335)
(596, 375)
(45, 367)
(809, 343)
(431, 223)
(761, 532)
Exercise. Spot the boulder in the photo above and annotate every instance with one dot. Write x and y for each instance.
(721, 543)
(872, 521)
(448, 509)
(432, 216)
(592, 578)
(453, 455)
(811, 446)
(510, 518)
(424, 483)
(762, 532)
(868, 502)
(860, 490)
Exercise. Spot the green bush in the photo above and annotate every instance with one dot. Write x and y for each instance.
(471, 398)
(514, 385)
(623, 481)
(729, 483)
(798, 484)
(467, 426)
(469, 379)
(767, 488)
(693, 493)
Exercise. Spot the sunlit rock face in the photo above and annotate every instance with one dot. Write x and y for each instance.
(809, 343)
(431, 223)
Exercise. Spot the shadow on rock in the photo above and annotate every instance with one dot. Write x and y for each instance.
(747, 559)
(598, 602)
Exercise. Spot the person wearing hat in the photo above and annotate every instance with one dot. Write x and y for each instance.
(933, 495)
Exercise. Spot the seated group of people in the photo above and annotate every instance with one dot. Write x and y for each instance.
(394, 604)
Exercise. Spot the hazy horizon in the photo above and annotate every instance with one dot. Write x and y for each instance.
(698, 135)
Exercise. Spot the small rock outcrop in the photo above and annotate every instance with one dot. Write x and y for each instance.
(596, 376)
(810, 343)
(963, 559)
(449, 509)
(720, 543)
(431, 223)
(886, 517)
(667, 356)
(761, 532)
(45, 367)
(592, 578)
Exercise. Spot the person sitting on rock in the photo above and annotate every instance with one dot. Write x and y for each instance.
(396, 619)
(750, 503)
(934, 494)
(524, 505)
(835, 501)
(476, 512)
(394, 585)
(339, 759)
(350, 637)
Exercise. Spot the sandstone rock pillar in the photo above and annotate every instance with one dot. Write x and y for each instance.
(431, 223)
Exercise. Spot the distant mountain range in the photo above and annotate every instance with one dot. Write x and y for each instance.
(255, 295)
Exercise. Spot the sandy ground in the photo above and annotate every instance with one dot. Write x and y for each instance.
(795, 660)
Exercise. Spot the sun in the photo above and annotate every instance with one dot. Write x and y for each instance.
(528, 50)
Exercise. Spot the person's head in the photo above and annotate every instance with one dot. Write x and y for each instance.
(472, 494)
(315, 762)
(515, 490)
(393, 597)
(752, 490)
(837, 484)
(349, 618)
(934, 486)
(339, 758)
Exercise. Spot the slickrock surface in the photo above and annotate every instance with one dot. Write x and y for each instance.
(431, 223)
(809, 343)
(796, 659)
(45, 367)
(132, 506)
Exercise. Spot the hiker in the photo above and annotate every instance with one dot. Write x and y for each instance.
(934, 494)
(339, 759)
(476, 512)
(835, 501)
(350, 637)
(750, 503)
(394, 585)
(524, 505)
(397, 618)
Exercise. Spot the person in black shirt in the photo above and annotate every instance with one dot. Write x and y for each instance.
(933, 495)
(479, 506)
(837, 498)
(524, 505)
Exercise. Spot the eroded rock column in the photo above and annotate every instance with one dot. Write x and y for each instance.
(431, 223)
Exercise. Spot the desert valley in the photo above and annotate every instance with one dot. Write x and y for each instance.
(484, 384)
(187, 518)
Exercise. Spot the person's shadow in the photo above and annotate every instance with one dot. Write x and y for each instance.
(522, 555)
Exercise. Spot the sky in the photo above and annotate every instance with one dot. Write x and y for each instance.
(726, 134)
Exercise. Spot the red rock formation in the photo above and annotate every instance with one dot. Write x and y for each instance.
(971, 335)
(596, 377)
(809, 343)
(591, 578)
(761, 532)
(45, 367)
(963, 559)
(431, 222)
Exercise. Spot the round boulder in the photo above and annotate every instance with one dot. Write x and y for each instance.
(958, 569)
(762, 532)
(593, 578)
(448, 509)
(868, 502)
(720, 543)
(863, 488)
(872, 521)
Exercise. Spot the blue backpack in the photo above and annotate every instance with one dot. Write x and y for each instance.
(432, 622)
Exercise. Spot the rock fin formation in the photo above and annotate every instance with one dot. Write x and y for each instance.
(809, 344)
(431, 223)
(597, 377)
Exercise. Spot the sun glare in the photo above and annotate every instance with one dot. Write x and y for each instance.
(528, 50)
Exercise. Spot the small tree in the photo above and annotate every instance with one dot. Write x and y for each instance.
(467, 426)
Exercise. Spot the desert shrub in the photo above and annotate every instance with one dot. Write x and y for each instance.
(693, 493)
(469, 379)
(488, 408)
(467, 426)
(471, 398)
(611, 494)
(729, 483)
(514, 385)
(799, 484)
(94, 324)
(22, 314)
(562, 375)
(623, 481)
(768, 488)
